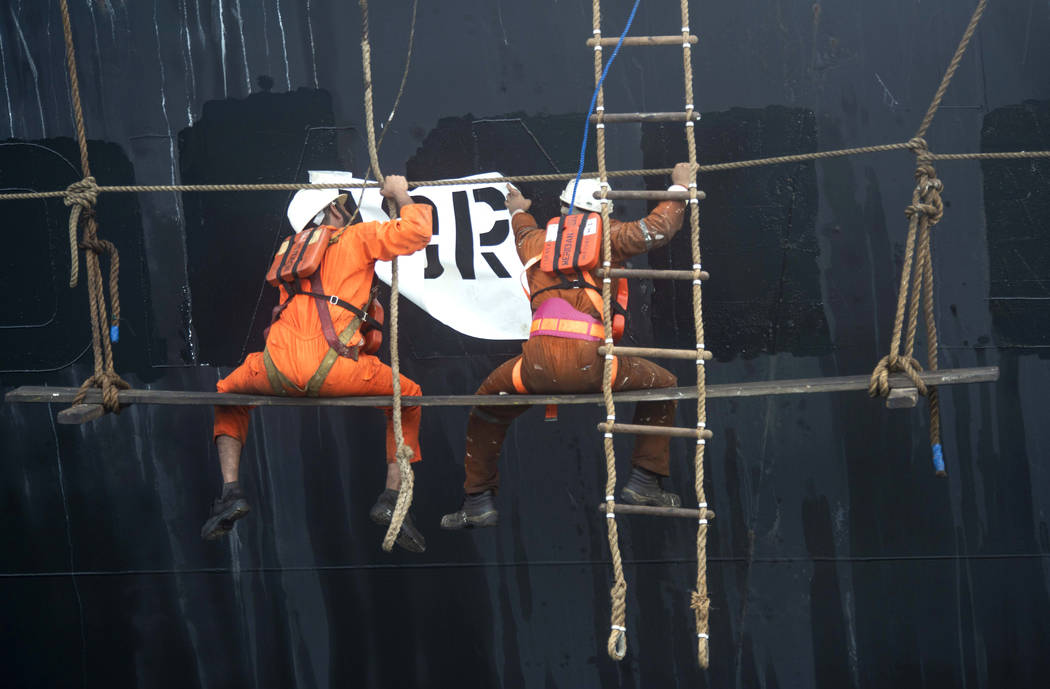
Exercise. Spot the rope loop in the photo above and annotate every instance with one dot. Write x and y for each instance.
(879, 386)
(80, 197)
(110, 383)
(82, 193)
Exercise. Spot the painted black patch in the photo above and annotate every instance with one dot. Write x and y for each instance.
(231, 237)
(757, 238)
(44, 324)
(1017, 215)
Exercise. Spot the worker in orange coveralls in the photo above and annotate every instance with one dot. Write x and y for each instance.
(300, 344)
(561, 355)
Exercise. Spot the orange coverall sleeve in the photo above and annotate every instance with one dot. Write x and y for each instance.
(382, 241)
(527, 236)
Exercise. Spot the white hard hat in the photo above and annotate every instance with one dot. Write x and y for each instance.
(307, 204)
(585, 195)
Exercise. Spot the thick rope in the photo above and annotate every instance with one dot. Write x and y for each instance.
(617, 644)
(80, 197)
(925, 211)
(950, 72)
(699, 601)
(560, 177)
(390, 117)
(403, 453)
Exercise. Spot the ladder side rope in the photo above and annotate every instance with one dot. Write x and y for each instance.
(925, 211)
(403, 453)
(560, 177)
(81, 197)
(700, 602)
(617, 644)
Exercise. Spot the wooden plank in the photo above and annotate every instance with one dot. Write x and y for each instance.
(902, 398)
(638, 429)
(80, 413)
(800, 386)
(654, 274)
(642, 40)
(621, 508)
(615, 117)
(658, 353)
(648, 195)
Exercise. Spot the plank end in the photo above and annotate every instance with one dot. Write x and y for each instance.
(80, 413)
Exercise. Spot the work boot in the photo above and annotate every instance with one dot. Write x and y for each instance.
(478, 509)
(224, 512)
(382, 513)
(643, 488)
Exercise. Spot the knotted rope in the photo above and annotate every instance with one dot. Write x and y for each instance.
(699, 601)
(403, 453)
(617, 644)
(80, 197)
(925, 211)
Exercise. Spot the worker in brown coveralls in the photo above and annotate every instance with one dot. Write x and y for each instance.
(561, 355)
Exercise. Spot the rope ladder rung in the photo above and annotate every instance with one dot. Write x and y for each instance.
(649, 195)
(643, 41)
(621, 117)
(672, 431)
(658, 352)
(651, 511)
(654, 273)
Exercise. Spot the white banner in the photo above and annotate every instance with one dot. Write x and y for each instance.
(468, 277)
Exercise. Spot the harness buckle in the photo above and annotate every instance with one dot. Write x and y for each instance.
(333, 300)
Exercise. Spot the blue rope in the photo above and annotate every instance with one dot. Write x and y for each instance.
(594, 99)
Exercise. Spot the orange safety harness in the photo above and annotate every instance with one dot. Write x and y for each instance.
(299, 258)
(572, 247)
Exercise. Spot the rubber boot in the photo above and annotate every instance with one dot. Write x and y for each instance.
(382, 513)
(224, 512)
(478, 510)
(643, 488)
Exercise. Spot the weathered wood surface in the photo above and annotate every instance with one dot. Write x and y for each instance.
(657, 353)
(82, 413)
(958, 376)
(639, 429)
(653, 273)
(687, 512)
(643, 40)
(648, 195)
(902, 398)
(614, 117)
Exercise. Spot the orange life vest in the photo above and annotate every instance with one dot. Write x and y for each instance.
(299, 256)
(573, 243)
(573, 246)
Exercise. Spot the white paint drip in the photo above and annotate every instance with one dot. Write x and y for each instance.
(313, 53)
(200, 27)
(284, 49)
(7, 87)
(98, 59)
(69, 543)
(187, 58)
(32, 69)
(266, 35)
(244, 45)
(222, 51)
(188, 297)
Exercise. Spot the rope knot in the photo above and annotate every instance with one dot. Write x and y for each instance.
(82, 193)
(879, 384)
(917, 145)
